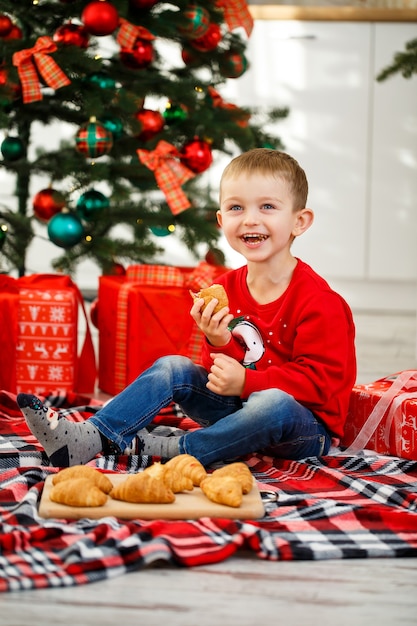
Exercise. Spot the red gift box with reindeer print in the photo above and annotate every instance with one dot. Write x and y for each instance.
(41, 355)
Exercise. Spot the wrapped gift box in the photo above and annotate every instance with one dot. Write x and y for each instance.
(383, 416)
(42, 313)
(145, 315)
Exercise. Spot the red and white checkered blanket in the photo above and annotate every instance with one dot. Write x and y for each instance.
(333, 508)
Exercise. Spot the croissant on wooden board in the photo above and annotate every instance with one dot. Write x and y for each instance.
(240, 472)
(222, 489)
(208, 293)
(189, 466)
(143, 488)
(77, 492)
(84, 471)
(174, 479)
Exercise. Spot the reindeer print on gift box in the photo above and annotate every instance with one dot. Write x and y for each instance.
(47, 345)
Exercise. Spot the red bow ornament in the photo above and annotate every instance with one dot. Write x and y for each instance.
(128, 33)
(236, 14)
(47, 68)
(169, 172)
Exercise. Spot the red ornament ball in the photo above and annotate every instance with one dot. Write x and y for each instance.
(209, 41)
(195, 22)
(100, 18)
(196, 155)
(6, 25)
(72, 35)
(13, 90)
(93, 139)
(15, 33)
(138, 57)
(47, 203)
(152, 122)
(190, 57)
(117, 269)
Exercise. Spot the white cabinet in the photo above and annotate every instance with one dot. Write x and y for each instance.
(356, 139)
(393, 163)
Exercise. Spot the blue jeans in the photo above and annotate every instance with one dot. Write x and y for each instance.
(269, 421)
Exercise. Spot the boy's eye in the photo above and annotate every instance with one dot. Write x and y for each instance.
(236, 207)
(268, 206)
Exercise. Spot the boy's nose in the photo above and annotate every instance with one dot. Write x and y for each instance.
(251, 217)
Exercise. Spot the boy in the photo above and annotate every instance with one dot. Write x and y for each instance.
(279, 364)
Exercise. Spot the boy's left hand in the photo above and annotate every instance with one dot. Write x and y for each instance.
(227, 376)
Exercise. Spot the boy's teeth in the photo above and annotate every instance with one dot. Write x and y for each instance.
(254, 237)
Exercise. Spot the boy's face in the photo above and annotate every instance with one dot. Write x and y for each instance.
(257, 216)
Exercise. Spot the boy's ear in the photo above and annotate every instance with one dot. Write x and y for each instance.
(219, 218)
(304, 220)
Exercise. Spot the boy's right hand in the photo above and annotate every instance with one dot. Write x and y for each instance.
(213, 325)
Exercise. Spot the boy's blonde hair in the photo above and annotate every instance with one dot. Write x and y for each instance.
(275, 163)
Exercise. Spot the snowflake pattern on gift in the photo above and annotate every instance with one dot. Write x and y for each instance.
(57, 314)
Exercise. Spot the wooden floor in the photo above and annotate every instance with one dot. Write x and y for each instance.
(244, 590)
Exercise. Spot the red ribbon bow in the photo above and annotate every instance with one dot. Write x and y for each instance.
(128, 33)
(47, 67)
(236, 14)
(169, 172)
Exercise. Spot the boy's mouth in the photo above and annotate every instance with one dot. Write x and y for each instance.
(252, 238)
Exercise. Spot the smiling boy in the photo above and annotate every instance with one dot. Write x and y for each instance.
(279, 364)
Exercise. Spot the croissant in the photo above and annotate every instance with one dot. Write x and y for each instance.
(238, 471)
(174, 479)
(189, 466)
(208, 293)
(77, 492)
(143, 488)
(84, 471)
(223, 490)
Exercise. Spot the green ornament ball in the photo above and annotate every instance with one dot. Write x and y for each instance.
(113, 124)
(195, 22)
(65, 230)
(102, 79)
(91, 203)
(161, 231)
(12, 148)
(174, 113)
(233, 64)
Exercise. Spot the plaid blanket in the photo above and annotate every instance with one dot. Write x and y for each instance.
(331, 508)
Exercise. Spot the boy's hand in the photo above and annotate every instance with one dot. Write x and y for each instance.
(227, 376)
(214, 326)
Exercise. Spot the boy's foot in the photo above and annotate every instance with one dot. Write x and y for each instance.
(65, 443)
(155, 445)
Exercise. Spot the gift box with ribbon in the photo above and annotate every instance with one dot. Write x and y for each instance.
(145, 315)
(383, 416)
(39, 336)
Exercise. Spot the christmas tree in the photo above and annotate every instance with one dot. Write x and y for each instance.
(137, 83)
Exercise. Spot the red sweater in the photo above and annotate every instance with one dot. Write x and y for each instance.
(302, 343)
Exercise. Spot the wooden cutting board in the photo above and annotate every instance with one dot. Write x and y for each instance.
(188, 505)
